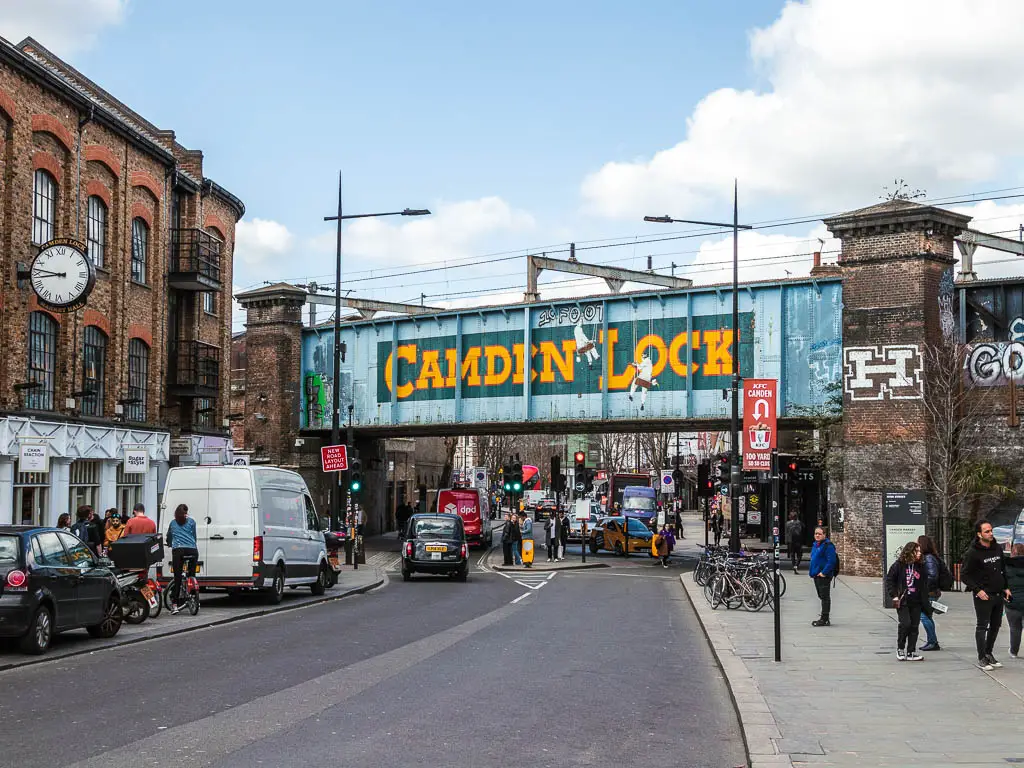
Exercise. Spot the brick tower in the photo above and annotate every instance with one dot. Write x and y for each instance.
(896, 256)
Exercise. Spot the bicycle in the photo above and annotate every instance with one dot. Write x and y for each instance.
(188, 590)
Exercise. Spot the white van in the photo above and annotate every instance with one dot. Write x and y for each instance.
(256, 528)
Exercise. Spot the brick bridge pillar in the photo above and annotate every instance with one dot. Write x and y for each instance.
(897, 257)
(273, 343)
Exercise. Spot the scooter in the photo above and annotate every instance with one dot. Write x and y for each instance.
(140, 595)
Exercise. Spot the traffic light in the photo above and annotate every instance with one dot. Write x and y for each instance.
(517, 477)
(355, 475)
(677, 482)
(723, 471)
(705, 485)
(557, 480)
(580, 475)
(506, 478)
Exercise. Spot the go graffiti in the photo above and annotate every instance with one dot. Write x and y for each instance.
(995, 364)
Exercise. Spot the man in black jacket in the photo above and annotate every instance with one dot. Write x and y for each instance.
(985, 575)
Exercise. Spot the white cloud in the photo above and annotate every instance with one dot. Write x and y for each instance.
(262, 248)
(996, 219)
(63, 26)
(858, 94)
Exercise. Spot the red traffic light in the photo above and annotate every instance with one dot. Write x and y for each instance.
(580, 457)
(792, 466)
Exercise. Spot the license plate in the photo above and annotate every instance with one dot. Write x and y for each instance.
(147, 593)
(435, 555)
(436, 548)
(198, 569)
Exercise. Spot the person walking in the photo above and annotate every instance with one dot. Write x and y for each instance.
(140, 522)
(907, 584)
(113, 530)
(932, 568)
(549, 536)
(563, 534)
(64, 521)
(526, 532)
(717, 526)
(181, 537)
(1015, 605)
(795, 541)
(823, 570)
(516, 539)
(85, 529)
(665, 543)
(506, 539)
(984, 573)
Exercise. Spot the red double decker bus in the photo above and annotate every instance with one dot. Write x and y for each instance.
(531, 478)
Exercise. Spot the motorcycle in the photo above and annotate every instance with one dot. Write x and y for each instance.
(140, 595)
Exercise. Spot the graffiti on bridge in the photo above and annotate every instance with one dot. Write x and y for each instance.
(890, 372)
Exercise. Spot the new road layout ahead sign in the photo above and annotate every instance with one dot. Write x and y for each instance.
(334, 458)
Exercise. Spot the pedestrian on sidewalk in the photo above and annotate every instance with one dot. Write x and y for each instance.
(795, 541)
(506, 539)
(140, 522)
(930, 561)
(679, 520)
(113, 530)
(549, 536)
(526, 532)
(64, 521)
(1015, 605)
(665, 543)
(984, 573)
(561, 535)
(823, 570)
(907, 584)
(717, 526)
(515, 539)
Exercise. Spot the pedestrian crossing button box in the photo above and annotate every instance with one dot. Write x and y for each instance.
(137, 550)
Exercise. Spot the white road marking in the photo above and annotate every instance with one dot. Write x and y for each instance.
(527, 594)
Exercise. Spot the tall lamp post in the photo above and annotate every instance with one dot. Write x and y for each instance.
(336, 405)
(734, 462)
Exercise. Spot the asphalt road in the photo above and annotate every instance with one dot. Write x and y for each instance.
(596, 668)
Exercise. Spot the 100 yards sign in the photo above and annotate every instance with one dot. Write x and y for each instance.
(760, 436)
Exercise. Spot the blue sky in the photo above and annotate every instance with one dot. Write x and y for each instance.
(527, 125)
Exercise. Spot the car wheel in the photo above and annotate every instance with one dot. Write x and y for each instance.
(618, 548)
(40, 632)
(463, 573)
(136, 609)
(593, 547)
(113, 616)
(322, 580)
(276, 593)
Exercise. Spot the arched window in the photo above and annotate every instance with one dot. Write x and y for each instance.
(138, 378)
(42, 361)
(140, 249)
(96, 229)
(44, 206)
(94, 366)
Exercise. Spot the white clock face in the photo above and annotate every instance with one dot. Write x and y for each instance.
(62, 275)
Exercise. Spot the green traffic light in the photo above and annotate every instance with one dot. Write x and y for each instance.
(517, 487)
(356, 485)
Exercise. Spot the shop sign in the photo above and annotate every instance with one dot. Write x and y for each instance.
(136, 461)
(759, 423)
(181, 446)
(33, 457)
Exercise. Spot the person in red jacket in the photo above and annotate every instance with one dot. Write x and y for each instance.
(140, 523)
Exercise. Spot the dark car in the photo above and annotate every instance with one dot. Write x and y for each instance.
(545, 509)
(435, 543)
(51, 582)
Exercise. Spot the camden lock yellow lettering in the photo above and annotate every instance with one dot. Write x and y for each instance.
(552, 362)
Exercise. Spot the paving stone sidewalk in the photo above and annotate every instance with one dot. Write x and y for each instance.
(840, 698)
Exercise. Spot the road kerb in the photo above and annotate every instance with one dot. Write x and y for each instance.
(537, 567)
(25, 661)
(760, 729)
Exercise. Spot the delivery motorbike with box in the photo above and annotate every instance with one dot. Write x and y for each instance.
(133, 556)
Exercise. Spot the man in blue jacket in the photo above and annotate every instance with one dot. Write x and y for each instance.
(823, 569)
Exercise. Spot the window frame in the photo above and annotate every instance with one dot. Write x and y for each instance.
(138, 381)
(92, 405)
(211, 298)
(140, 250)
(43, 338)
(96, 230)
(44, 200)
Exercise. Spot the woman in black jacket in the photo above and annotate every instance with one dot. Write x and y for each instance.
(907, 583)
(1015, 605)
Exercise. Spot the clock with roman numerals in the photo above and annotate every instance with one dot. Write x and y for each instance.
(62, 275)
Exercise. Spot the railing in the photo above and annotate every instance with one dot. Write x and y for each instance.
(195, 251)
(952, 537)
(195, 367)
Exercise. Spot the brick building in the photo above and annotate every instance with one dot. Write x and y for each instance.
(140, 364)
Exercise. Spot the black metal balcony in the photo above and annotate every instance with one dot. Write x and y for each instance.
(195, 261)
(194, 369)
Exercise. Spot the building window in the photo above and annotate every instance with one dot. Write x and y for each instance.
(140, 249)
(85, 485)
(204, 412)
(138, 378)
(129, 489)
(44, 207)
(96, 230)
(94, 362)
(30, 497)
(42, 361)
(210, 303)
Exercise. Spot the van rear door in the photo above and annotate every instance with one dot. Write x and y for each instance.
(231, 524)
(189, 486)
(466, 504)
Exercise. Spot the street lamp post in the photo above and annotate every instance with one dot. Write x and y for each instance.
(336, 405)
(734, 468)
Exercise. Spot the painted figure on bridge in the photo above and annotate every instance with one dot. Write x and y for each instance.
(584, 346)
(643, 378)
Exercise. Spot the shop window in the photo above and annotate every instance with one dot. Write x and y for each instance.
(96, 230)
(140, 250)
(44, 207)
(85, 485)
(129, 489)
(42, 361)
(94, 362)
(31, 493)
(138, 378)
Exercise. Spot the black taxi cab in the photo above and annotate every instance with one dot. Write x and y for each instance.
(435, 543)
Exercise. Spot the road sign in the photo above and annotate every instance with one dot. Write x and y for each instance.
(582, 509)
(667, 483)
(334, 458)
(759, 422)
(580, 487)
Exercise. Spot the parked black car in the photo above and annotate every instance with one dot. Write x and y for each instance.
(51, 582)
(435, 543)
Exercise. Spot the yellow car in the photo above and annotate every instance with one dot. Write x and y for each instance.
(608, 535)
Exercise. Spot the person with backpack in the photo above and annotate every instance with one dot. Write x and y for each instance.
(87, 529)
(907, 584)
(795, 541)
(937, 574)
(1015, 605)
(823, 569)
(984, 573)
